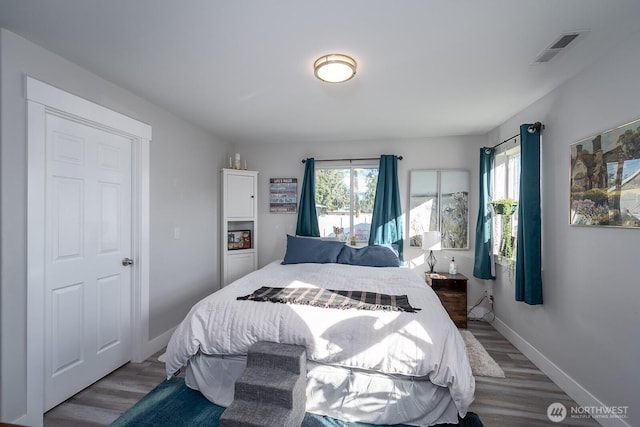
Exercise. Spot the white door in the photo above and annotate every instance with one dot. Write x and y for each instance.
(87, 235)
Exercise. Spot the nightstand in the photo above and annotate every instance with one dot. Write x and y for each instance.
(452, 291)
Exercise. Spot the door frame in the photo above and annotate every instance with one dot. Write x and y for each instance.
(43, 99)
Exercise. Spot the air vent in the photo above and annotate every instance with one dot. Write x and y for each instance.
(556, 47)
(564, 41)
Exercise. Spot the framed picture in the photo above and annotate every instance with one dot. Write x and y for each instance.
(439, 201)
(238, 239)
(605, 178)
(283, 195)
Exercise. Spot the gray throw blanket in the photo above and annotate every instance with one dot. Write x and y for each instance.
(328, 298)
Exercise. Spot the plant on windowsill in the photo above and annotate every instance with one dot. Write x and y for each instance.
(506, 208)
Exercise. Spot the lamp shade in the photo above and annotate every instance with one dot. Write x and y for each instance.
(431, 241)
(335, 68)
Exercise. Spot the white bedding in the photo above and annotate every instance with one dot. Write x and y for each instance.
(423, 344)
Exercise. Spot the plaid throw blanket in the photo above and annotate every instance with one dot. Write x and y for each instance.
(328, 298)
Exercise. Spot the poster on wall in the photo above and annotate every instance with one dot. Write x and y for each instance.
(283, 195)
(605, 178)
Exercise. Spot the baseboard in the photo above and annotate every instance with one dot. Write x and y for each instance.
(156, 344)
(578, 393)
(22, 421)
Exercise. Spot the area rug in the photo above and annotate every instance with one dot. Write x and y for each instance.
(173, 404)
(482, 364)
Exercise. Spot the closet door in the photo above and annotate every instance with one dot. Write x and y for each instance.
(88, 235)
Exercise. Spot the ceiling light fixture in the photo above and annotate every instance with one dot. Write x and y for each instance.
(334, 68)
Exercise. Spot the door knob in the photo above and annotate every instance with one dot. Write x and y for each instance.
(127, 261)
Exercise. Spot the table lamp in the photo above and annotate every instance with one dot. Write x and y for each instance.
(431, 242)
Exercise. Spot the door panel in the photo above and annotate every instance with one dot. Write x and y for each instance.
(68, 226)
(66, 328)
(88, 233)
(109, 294)
(109, 234)
(67, 148)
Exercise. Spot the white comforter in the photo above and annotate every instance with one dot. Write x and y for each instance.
(422, 344)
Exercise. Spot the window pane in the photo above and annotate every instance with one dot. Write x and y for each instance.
(506, 179)
(344, 199)
(364, 192)
(332, 201)
(514, 176)
(500, 177)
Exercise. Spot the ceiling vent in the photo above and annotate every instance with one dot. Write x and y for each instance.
(557, 46)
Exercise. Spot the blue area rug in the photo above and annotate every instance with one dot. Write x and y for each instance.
(174, 404)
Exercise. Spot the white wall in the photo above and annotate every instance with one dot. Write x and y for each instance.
(284, 161)
(184, 191)
(586, 335)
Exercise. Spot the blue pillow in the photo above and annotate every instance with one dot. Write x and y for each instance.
(305, 249)
(369, 256)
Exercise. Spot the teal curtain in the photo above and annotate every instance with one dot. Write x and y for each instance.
(484, 244)
(529, 243)
(307, 216)
(386, 222)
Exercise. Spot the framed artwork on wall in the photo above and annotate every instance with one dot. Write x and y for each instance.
(439, 201)
(605, 178)
(283, 195)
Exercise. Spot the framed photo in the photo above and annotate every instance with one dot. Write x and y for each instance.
(605, 178)
(283, 195)
(238, 239)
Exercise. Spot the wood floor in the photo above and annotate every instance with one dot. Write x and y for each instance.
(520, 399)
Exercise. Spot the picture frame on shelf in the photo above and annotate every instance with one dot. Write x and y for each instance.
(238, 239)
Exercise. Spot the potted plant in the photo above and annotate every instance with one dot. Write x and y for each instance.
(506, 208)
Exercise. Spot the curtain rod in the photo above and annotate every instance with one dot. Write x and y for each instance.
(534, 127)
(503, 142)
(347, 160)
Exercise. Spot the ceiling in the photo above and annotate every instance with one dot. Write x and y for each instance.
(242, 69)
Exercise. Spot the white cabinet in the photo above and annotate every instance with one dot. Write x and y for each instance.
(240, 195)
(239, 264)
(239, 231)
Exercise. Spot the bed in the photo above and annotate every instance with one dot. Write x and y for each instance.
(375, 366)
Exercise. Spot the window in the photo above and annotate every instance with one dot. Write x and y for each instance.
(344, 201)
(506, 191)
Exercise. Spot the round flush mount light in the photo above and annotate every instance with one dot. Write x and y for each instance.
(334, 68)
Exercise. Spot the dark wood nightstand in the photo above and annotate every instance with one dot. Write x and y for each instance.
(452, 291)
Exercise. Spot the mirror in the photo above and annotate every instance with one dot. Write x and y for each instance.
(439, 201)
